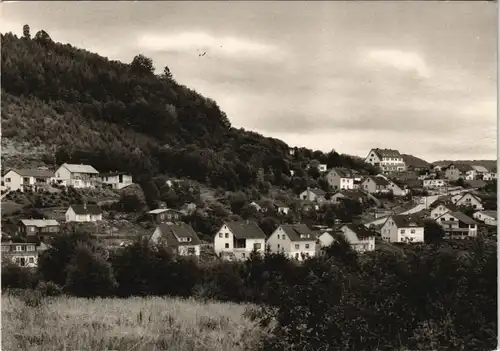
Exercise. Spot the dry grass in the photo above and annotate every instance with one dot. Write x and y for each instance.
(133, 324)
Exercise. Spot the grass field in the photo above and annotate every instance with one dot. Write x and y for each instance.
(135, 324)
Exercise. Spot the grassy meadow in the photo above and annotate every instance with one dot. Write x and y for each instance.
(134, 324)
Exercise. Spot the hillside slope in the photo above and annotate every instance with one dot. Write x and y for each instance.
(64, 104)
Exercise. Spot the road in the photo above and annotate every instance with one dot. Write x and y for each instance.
(428, 200)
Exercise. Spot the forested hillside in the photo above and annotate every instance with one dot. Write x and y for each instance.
(80, 107)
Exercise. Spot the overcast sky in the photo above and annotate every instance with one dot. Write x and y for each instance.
(419, 77)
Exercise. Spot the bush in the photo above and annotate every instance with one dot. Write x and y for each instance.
(49, 289)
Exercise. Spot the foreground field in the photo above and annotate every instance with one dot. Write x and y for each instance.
(151, 323)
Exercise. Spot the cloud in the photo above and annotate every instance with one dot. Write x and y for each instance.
(405, 61)
(196, 43)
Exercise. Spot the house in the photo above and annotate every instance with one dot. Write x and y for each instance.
(452, 173)
(27, 179)
(281, 208)
(361, 238)
(467, 199)
(117, 180)
(466, 172)
(403, 229)
(162, 215)
(322, 168)
(386, 159)
(326, 237)
(37, 227)
(306, 205)
(414, 163)
(375, 185)
(294, 241)
(492, 174)
(314, 194)
(257, 206)
(457, 225)
(396, 189)
(487, 217)
(22, 254)
(340, 178)
(180, 237)
(440, 208)
(84, 213)
(237, 239)
(480, 171)
(434, 183)
(77, 176)
(355, 195)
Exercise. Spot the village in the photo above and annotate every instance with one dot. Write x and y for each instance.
(453, 196)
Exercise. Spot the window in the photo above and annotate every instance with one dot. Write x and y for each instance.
(278, 246)
(243, 254)
(307, 246)
(226, 245)
(7, 180)
(402, 231)
(278, 236)
(412, 231)
(31, 260)
(226, 235)
(30, 248)
(257, 246)
(19, 248)
(297, 246)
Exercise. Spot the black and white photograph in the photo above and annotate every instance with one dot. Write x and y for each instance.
(249, 175)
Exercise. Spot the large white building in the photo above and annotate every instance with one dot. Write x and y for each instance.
(403, 229)
(237, 240)
(77, 176)
(386, 159)
(117, 180)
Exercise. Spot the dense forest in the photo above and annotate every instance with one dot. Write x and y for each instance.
(84, 108)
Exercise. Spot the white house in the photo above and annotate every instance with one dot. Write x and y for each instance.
(26, 179)
(314, 194)
(294, 241)
(467, 199)
(325, 238)
(480, 171)
(487, 217)
(237, 239)
(374, 185)
(457, 225)
(403, 228)
(117, 180)
(22, 254)
(84, 213)
(386, 159)
(434, 183)
(77, 176)
(322, 167)
(440, 208)
(396, 189)
(340, 178)
(361, 238)
(281, 208)
(180, 237)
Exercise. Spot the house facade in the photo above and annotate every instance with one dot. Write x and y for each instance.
(162, 215)
(22, 254)
(457, 225)
(37, 227)
(487, 217)
(27, 179)
(468, 200)
(387, 160)
(434, 183)
(361, 238)
(403, 229)
(480, 171)
(441, 209)
(340, 178)
(77, 176)
(452, 173)
(180, 237)
(84, 213)
(314, 194)
(117, 180)
(237, 239)
(295, 241)
(375, 185)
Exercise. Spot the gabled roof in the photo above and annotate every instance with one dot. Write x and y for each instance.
(343, 172)
(73, 168)
(463, 167)
(245, 229)
(173, 232)
(89, 209)
(360, 230)
(412, 161)
(381, 153)
(493, 214)
(39, 223)
(317, 191)
(278, 203)
(407, 221)
(299, 232)
(476, 183)
(450, 206)
(468, 193)
(379, 181)
(39, 173)
(480, 169)
(462, 217)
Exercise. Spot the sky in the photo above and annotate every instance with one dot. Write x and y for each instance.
(419, 77)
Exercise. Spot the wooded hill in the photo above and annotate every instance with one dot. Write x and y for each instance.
(80, 107)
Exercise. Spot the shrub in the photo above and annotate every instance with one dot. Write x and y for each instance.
(49, 289)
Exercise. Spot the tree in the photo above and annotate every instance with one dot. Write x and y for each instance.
(89, 274)
(433, 232)
(167, 74)
(26, 32)
(142, 65)
(43, 37)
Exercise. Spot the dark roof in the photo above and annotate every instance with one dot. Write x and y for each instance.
(493, 214)
(299, 232)
(172, 232)
(449, 205)
(379, 181)
(463, 167)
(245, 229)
(278, 203)
(476, 183)
(343, 172)
(41, 173)
(462, 217)
(387, 153)
(317, 191)
(361, 231)
(86, 209)
(351, 193)
(406, 221)
(412, 161)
